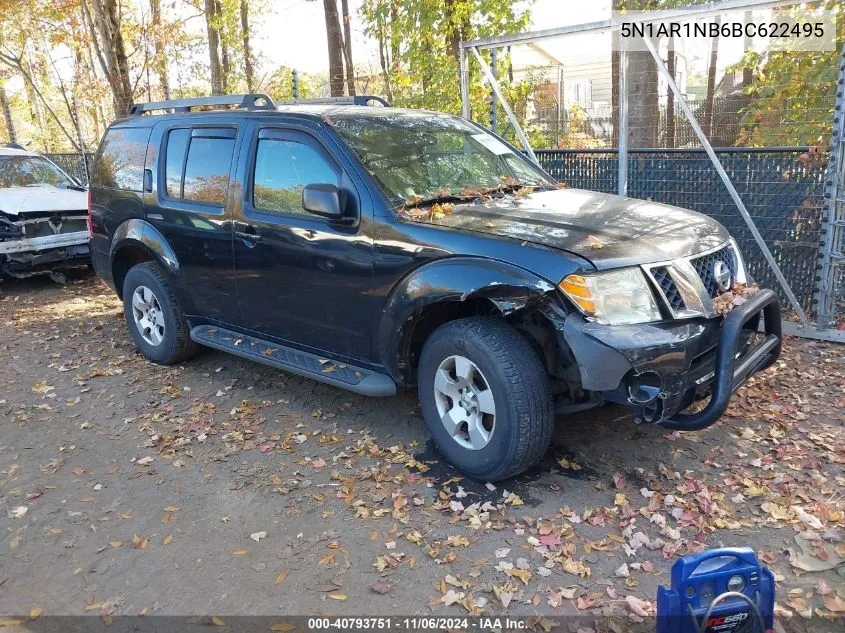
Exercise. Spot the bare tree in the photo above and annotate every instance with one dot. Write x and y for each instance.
(103, 18)
(707, 124)
(212, 23)
(248, 67)
(347, 47)
(7, 114)
(160, 56)
(225, 64)
(335, 46)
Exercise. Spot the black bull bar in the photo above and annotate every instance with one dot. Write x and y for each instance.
(731, 372)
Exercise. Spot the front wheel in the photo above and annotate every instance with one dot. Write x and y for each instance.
(485, 397)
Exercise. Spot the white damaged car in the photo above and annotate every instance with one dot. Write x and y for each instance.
(43, 215)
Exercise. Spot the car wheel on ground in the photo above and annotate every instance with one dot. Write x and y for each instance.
(485, 397)
(155, 319)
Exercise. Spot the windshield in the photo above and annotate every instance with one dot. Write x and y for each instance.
(30, 171)
(426, 155)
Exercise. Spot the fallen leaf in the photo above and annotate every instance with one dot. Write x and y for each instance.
(338, 596)
(217, 621)
(257, 536)
(451, 597)
(380, 586)
(35, 613)
(834, 603)
(18, 512)
(240, 552)
(171, 509)
(282, 626)
(640, 607)
(281, 577)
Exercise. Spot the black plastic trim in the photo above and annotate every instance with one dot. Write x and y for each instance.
(730, 375)
(295, 361)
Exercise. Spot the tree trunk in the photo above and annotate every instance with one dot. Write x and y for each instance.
(670, 96)
(106, 17)
(225, 65)
(248, 67)
(382, 57)
(159, 56)
(643, 114)
(347, 47)
(335, 46)
(7, 115)
(707, 124)
(213, 33)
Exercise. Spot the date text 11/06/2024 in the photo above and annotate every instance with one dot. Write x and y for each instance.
(415, 624)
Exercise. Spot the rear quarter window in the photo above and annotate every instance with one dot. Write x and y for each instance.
(120, 161)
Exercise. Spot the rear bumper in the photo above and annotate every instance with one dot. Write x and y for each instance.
(661, 369)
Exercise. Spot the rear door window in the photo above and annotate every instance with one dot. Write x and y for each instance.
(197, 163)
(120, 161)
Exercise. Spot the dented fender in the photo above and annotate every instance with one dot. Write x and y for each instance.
(508, 287)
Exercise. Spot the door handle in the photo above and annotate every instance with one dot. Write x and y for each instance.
(248, 234)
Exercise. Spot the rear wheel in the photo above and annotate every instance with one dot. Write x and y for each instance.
(485, 397)
(154, 317)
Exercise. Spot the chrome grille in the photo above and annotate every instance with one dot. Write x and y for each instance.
(704, 267)
(668, 286)
(688, 286)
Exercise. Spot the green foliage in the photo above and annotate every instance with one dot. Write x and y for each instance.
(419, 40)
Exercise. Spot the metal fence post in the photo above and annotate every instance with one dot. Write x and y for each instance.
(494, 123)
(295, 84)
(833, 208)
(462, 55)
(622, 177)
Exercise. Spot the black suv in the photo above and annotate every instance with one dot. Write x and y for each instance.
(374, 247)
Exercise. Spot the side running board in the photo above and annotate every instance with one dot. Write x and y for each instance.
(357, 379)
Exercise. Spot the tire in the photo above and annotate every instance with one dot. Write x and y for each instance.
(520, 430)
(171, 342)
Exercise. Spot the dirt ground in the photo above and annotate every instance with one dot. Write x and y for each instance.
(221, 487)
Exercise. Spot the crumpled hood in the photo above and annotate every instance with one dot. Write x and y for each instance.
(608, 230)
(17, 200)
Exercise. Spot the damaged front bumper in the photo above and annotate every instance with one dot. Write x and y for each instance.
(660, 369)
(35, 245)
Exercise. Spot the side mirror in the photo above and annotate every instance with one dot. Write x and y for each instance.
(323, 200)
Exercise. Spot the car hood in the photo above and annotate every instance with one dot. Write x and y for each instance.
(17, 200)
(608, 230)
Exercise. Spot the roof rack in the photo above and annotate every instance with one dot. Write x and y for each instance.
(254, 101)
(358, 100)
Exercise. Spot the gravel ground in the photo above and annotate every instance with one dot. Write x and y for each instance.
(220, 487)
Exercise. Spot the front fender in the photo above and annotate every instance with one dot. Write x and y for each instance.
(508, 287)
(140, 233)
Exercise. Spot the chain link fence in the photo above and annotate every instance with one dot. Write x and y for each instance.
(74, 164)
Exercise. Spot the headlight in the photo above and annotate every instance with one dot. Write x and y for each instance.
(617, 297)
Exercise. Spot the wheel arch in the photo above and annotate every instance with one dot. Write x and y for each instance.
(136, 241)
(443, 291)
